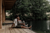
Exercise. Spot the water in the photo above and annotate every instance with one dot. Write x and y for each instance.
(40, 26)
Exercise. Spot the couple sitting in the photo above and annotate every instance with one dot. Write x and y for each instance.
(18, 23)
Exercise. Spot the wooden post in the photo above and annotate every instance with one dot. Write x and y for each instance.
(0, 14)
(3, 14)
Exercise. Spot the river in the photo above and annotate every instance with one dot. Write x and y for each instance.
(42, 26)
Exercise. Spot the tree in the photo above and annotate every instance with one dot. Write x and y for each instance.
(36, 7)
(39, 9)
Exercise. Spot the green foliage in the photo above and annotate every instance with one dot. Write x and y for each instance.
(48, 9)
(36, 7)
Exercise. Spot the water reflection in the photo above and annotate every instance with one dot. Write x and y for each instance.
(40, 25)
(48, 24)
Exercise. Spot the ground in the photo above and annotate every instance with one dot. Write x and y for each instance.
(5, 29)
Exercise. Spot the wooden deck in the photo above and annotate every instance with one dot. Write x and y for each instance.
(15, 30)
